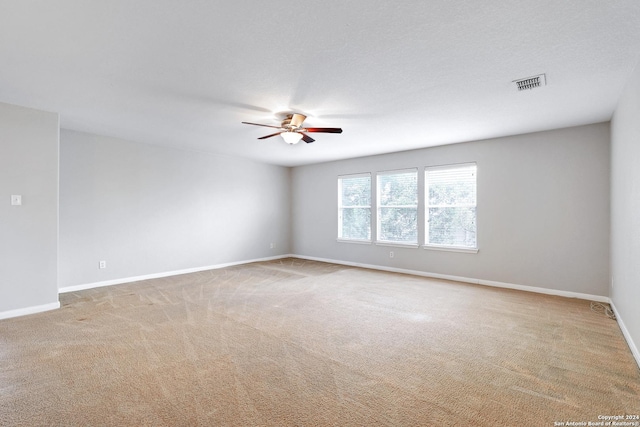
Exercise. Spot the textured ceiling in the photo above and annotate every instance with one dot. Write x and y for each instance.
(394, 75)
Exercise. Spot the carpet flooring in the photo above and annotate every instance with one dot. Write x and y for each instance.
(302, 343)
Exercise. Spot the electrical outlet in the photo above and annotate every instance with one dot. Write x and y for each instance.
(16, 200)
(391, 255)
(102, 264)
(272, 246)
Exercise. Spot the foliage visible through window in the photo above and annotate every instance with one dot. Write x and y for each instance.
(354, 207)
(451, 206)
(398, 206)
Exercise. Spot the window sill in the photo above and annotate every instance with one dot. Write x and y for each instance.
(397, 244)
(451, 249)
(359, 242)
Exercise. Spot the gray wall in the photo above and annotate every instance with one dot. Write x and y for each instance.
(625, 208)
(543, 211)
(28, 233)
(146, 209)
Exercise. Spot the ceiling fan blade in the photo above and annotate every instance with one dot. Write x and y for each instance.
(258, 124)
(297, 119)
(269, 136)
(306, 138)
(325, 130)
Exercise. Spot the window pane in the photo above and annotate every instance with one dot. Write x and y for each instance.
(452, 187)
(398, 189)
(398, 224)
(398, 207)
(356, 223)
(354, 207)
(454, 226)
(451, 206)
(356, 191)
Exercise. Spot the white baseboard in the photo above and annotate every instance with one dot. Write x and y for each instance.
(123, 280)
(589, 297)
(599, 298)
(627, 335)
(492, 283)
(29, 310)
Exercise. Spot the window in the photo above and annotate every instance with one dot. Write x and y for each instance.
(354, 207)
(450, 208)
(398, 206)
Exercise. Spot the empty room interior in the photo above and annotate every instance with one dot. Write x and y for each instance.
(319, 213)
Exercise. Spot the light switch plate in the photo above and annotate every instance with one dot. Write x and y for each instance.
(16, 200)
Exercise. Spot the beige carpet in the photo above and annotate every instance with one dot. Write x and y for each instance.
(300, 343)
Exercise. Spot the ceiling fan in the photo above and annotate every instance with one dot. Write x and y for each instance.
(292, 131)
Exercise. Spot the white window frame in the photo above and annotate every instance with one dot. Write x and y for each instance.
(380, 241)
(341, 207)
(433, 246)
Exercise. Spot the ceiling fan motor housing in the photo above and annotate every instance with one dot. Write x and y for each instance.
(286, 123)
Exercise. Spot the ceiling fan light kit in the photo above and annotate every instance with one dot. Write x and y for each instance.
(292, 131)
(291, 137)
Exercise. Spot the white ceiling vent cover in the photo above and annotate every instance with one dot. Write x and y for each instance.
(531, 82)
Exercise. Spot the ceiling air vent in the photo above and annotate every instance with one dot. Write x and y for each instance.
(531, 82)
